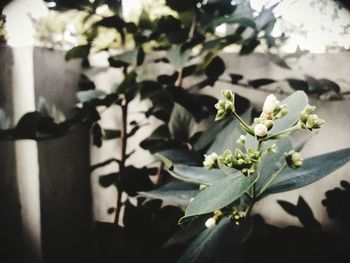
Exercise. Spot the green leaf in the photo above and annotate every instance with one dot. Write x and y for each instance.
(295, 105)
(209, 135)
(222, 193)
(176, 193)
(313, 169)
(179, 156)
(217, 240)
(187, 232)
(271, 162)
(180, 123)
(227, 138)
(81, 51)
(198, 175)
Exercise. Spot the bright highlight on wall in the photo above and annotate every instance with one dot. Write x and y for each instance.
(314, 25)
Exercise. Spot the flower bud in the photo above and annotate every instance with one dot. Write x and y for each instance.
(227, 158)
(280, 112)
(268, 124)
(211, 161)
(272, 148)
(210, 223)
(228, 95)
(270, 104)
(260, 130)
(293, 159)
(220, 115)
(314, 122)
(241, 140)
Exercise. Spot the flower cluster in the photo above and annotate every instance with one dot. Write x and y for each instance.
(308, 120)
(272, 110)
(225, 106)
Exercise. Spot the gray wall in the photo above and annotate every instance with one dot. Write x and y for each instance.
(11, 248)
(63, 163)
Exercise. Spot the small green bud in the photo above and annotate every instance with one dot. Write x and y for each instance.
(239, 154)
(220, 105)
(220, 115)
(229, 106)
(314, 122)
(227, 158)
(293, 159)
(272, 148)
(241, 140)
(229, 95)
(268, 124)
(280, 112)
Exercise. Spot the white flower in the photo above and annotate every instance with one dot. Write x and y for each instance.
(211, 222)
(211, 160)
(260, 130)
(270, 104)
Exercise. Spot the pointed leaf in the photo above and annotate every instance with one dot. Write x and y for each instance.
(313, 169)
(222, 193)
(174, 193)
(198, 175)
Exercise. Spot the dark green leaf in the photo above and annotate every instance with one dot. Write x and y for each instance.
(209, 135)
(220, 194)
(313, 169)
(271, 162)
(181, 123)
(249, 46)
(198, 175)
(217, 240)
(177, 156)
(173, 193)
(78, 52)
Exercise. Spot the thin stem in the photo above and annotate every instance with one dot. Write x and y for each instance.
(124, 138)
(273, 177)
(247, 128)
(281, 133)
